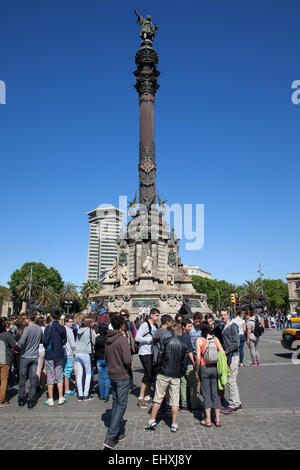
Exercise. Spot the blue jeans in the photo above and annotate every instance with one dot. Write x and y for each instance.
(241, 349)
(120, 391)
(103, 379)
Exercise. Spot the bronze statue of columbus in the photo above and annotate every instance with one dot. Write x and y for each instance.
(148, 31)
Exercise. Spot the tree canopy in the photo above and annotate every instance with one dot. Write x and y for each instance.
(49, 277)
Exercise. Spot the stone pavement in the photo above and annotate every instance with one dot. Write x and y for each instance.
(270, 418)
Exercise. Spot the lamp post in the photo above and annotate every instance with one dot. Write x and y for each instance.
(43, 292)
(69, 304)
(261, 281)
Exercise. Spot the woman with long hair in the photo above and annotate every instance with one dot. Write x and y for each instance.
(83, 349)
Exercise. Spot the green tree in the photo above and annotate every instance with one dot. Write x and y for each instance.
(250, 291)
(28, 287)
(48, 296)
(40, 273)
(69, 294)
(277, 295)
(218, 292)
(5, 294)
(89, 287)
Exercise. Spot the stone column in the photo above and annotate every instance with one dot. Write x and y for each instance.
(146, 85)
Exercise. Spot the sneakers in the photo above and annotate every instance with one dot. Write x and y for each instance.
(109, 443)
(80, 398)
(88, 398)
(241, 364)
(227, 410)
(142, 404)
(69, 394)
(253, 364)
(258, 363)
(3, 404)
(174, 427)
(49, 402)
(106, 399)
(121, 438)
(62, 401)
(30, 405)
(151, 426)
(21, 402)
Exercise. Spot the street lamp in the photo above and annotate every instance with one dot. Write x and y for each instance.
(69, 304)
(43, 292)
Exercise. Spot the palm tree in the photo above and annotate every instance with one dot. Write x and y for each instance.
(250, 291)
(90, 287)
(29, 287)
(69, 292)
(47, 297)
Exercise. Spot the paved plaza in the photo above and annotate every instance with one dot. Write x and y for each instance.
(270, 418)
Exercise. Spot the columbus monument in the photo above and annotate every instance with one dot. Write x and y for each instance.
(147, 271)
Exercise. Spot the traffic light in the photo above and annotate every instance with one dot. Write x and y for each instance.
(237, 301)
(232, 298)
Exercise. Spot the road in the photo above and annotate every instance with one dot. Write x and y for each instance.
(270, 418)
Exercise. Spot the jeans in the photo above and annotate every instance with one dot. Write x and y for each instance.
(83, 361)
(241, 349)
(28, 366)
(120, 391)
(103, 379)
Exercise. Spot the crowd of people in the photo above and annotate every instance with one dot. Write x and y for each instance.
(181, 359)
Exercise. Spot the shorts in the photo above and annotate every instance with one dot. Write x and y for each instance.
(147, 363)
(162, 384)
(68, 367)
(54, 371)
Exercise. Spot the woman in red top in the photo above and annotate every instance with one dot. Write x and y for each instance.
(209, 377)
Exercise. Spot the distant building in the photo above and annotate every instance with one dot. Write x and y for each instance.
(196, 271)
(293, 280)
(105, 229)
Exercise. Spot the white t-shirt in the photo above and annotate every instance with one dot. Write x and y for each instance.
(240, 324)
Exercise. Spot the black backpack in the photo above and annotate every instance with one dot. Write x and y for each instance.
(258, 328)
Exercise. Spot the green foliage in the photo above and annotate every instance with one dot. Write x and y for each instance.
(250, 290)
(277, 295)
(4, 294)
(69, 293)
(89, 287)
(20, 278)
(218, 292)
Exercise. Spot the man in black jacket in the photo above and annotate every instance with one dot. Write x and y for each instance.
(55, 337)
(171, 364)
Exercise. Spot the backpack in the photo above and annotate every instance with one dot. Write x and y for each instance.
(211, 352)
(258, 328)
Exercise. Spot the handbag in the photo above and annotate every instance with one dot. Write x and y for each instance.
(92, 354)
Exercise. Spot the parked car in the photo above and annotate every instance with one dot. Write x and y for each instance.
(291, 336)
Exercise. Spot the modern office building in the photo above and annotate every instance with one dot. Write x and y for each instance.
(105, 229)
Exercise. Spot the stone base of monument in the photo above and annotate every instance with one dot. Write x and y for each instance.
(148, 293)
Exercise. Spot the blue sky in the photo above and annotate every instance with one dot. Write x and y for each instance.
(227, 132)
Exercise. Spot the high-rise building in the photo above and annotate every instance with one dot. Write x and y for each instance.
(105, 229)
